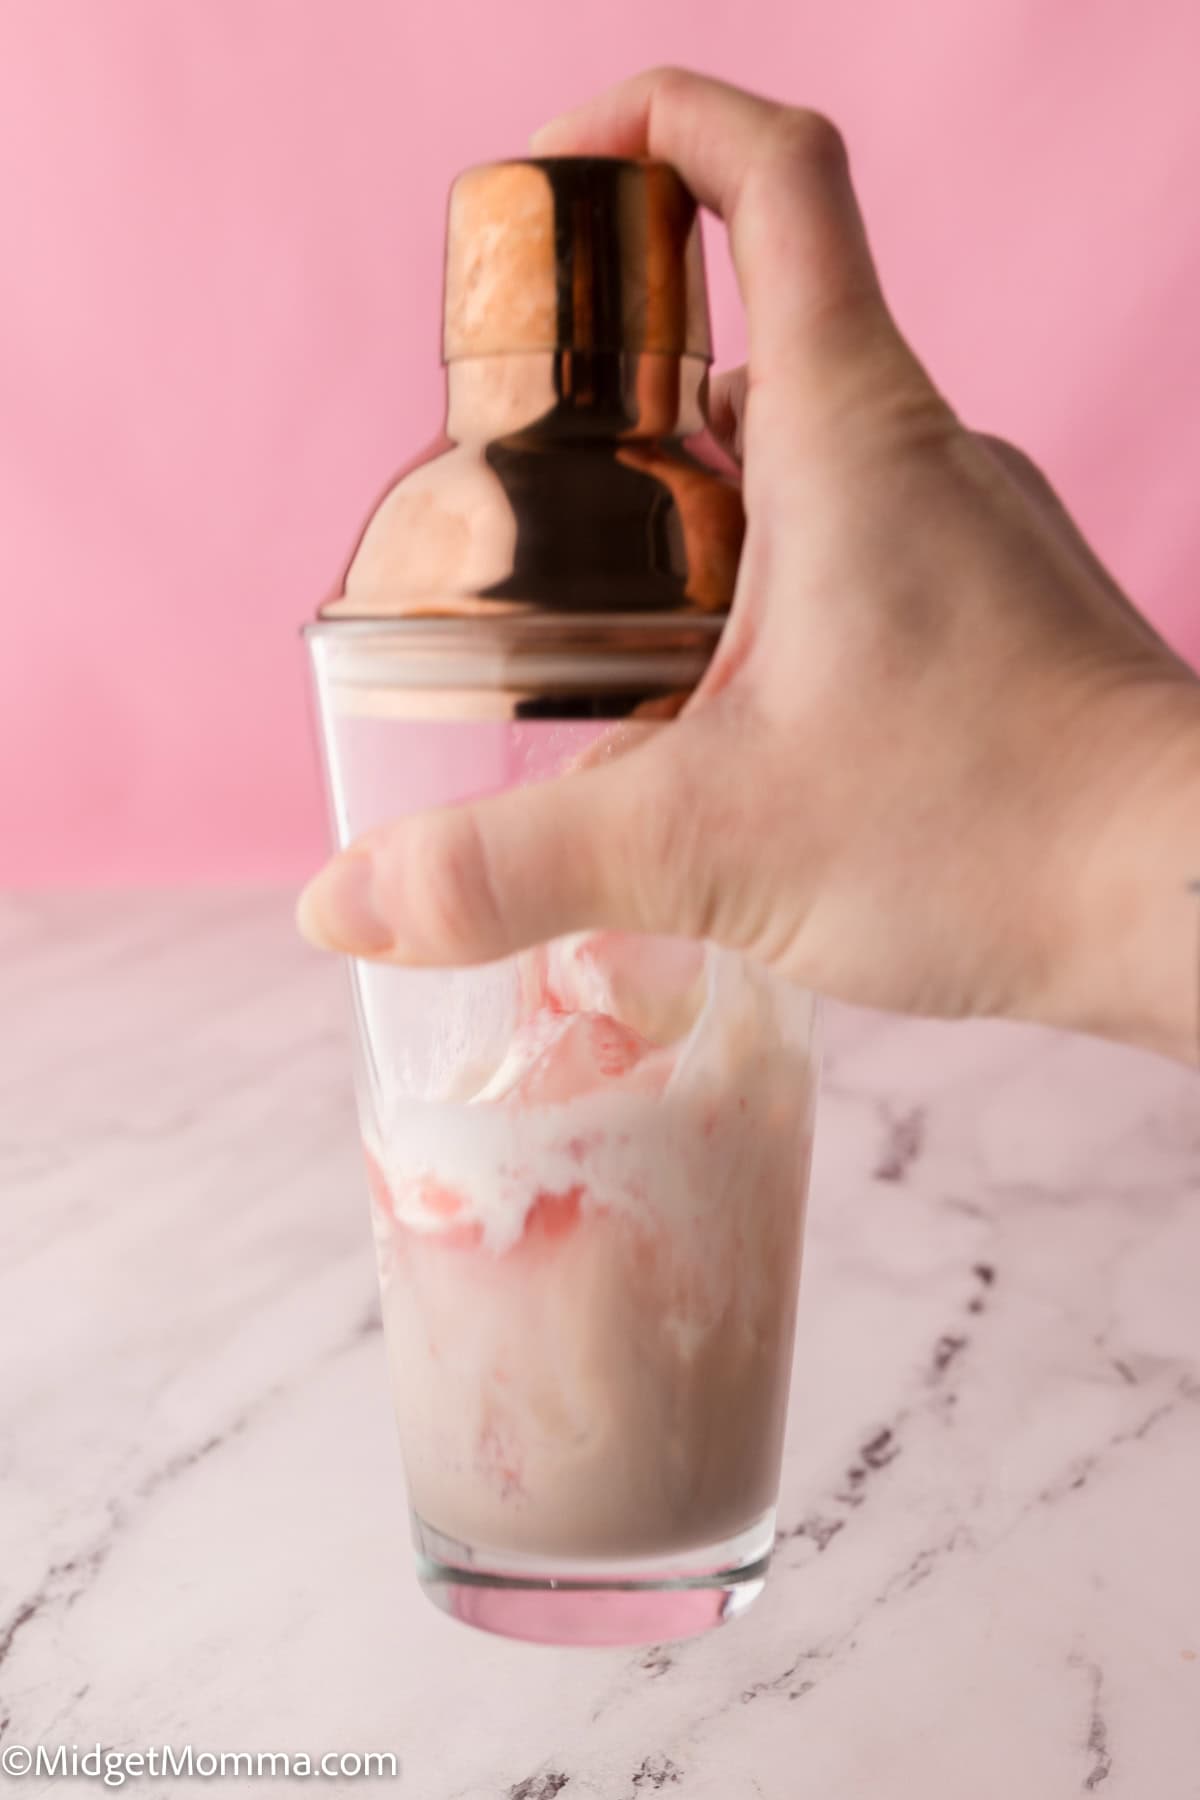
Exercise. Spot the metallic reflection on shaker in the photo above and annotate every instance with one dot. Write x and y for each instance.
(576, 478)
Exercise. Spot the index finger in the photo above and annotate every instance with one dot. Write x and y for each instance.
(777, 175)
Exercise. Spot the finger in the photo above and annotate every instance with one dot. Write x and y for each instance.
(779, 178)
(727, 407)
(611, 847)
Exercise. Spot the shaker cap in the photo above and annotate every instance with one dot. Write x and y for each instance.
(574, 253)
(576, 507)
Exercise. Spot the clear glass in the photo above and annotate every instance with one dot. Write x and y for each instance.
(588, 1167)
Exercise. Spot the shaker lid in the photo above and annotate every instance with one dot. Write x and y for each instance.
(577, 475)
(574, 253)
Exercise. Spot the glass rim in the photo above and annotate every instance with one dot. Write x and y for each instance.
(530, 657)
(613, 628)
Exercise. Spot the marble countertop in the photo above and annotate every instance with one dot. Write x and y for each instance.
(988, 1580)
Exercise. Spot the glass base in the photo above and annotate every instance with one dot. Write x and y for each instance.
(598, 1602)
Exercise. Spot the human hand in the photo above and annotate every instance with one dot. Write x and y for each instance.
(939, 763)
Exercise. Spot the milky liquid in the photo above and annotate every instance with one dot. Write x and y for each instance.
(589, 1232)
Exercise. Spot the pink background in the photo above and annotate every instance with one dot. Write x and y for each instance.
(220, 235)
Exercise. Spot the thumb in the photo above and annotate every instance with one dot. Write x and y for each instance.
(620, 846)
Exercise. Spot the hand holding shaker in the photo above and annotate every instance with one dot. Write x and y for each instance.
(587, 1163)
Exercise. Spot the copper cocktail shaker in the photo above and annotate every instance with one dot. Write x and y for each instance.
(588, 1163)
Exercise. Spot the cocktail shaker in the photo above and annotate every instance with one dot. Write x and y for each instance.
(587, 1163)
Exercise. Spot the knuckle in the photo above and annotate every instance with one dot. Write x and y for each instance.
(1013, 457)
(661, 73)
(810, 139)
(669, 82)
(1021, 468)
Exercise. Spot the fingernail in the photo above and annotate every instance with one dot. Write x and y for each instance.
(337, 910)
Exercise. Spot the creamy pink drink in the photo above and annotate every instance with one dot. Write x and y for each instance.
(589, 1248)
